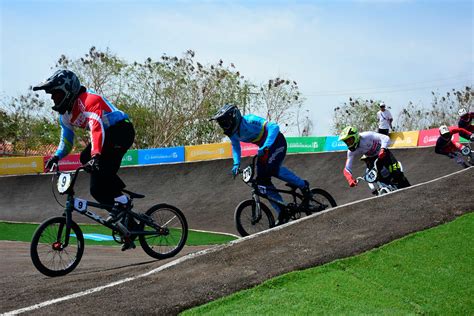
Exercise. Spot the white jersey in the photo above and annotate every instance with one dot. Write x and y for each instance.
(384, 118)
(369, 145)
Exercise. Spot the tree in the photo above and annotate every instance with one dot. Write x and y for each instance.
(359, 113)
(443, 110)
(26, 124)
(279, 101)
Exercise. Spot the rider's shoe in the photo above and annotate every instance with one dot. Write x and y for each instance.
(114, 213)
(282, 218)
(128, 244)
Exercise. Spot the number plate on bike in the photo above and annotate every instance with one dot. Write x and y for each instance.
(247, 174)
(371, 176)
(64, 181)
(466, 151)
(80, 205)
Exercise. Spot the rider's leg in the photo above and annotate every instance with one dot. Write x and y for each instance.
(106, 185)
(393, 167)
(287, 175)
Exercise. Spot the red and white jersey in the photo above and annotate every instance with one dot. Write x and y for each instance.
(369, 145)
(92, 112)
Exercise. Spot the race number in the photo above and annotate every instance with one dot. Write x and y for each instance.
(80, 205)
(371, 176)
(262, 189)
(64, 181)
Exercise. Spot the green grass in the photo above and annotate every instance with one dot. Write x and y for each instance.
(24, 232)
(430, 272)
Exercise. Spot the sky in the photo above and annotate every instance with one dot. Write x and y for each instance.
(391, 50)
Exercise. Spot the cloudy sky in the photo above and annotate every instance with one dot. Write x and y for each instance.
(393, 50)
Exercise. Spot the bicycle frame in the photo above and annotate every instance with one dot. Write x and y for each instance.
(81, 206)
(259, 190)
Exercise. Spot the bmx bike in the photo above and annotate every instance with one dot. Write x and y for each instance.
(57, 245)
(252, 216)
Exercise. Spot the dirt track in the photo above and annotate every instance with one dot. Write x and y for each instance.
(342, 232)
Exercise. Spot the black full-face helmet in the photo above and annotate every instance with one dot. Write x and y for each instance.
(64, 86)
(229, 118)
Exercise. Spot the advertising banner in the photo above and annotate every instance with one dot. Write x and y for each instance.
(208, 151)
(404, 139)
(428, 137)
(305, 144)
(160, 155)
(21, 165)
(130, 158)
(68, 163)
(333, 144)
(248, 149)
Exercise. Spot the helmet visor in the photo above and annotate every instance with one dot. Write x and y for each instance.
(225, 123)
(57, 96)
(349, 141)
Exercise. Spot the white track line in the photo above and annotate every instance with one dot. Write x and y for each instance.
(199, 253)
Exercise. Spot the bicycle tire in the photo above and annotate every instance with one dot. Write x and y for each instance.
(169, 243)
(319, 198)
(56, 262)
(244, 222)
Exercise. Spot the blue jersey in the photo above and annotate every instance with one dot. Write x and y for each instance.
(253, 129)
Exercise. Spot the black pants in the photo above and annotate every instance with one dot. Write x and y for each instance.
(388, 164)
(105, 184)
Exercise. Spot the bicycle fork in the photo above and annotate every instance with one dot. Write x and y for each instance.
(256, 209)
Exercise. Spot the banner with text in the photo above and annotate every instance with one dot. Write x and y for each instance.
(21, 165)
(68, 163)
(160, 155)
(305, 144)
(130, 158)
(404, 139)
(208, 151)
(430, 136)
(333, 144)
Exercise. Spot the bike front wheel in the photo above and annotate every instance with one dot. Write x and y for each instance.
(49, 252)
(320, 201)
(248, 221)
(166, 231)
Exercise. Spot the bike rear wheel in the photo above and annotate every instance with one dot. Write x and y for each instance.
(168, 233)
(320, 201)
(246, 221)
(47, 249)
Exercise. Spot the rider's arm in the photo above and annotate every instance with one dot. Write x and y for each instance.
(236, 150)
(460, 130)
(348, 167)
(93, 113)
(385, 141)
(272, 129)
(67, 138)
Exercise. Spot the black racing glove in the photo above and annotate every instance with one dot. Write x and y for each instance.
(53, 160)
(93, 164)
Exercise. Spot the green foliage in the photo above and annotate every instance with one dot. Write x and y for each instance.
(24, 231)
(429, 272)
(359, 113)
(276, 101)
(443, 110)
(169, 100)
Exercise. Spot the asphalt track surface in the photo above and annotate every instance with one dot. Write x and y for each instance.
(208, 196)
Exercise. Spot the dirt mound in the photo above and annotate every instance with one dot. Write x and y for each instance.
(205, 191)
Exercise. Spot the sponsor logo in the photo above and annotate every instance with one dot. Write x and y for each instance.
(219, 151)
(429, 139)
(173, 155)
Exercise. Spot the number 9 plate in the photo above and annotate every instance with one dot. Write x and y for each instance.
(64, 181)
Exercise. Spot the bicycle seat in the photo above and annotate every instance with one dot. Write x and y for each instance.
(291, 186)
(133, 195)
